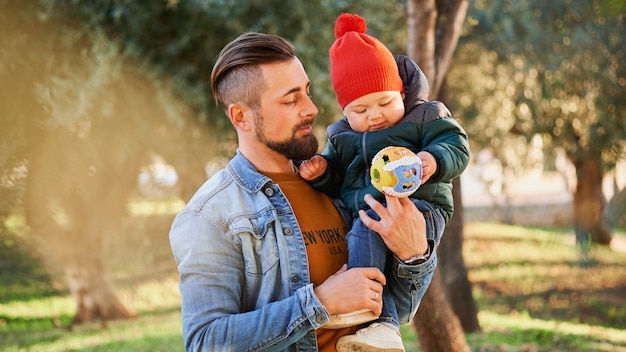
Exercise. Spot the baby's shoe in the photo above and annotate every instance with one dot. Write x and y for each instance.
(376, 337)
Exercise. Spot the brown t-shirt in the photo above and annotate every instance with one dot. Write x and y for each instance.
(324, 231)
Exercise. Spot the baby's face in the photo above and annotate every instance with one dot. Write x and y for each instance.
(375, 111)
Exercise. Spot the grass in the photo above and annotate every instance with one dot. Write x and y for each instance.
(42, 324)
(532, 293)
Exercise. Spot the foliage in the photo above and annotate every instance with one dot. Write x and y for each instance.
(556, 70)
(183, 38)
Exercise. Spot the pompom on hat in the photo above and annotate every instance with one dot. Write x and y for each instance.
(359, 63)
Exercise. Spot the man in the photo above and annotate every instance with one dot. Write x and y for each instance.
(261, 255)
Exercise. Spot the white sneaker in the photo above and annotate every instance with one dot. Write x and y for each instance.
(358, 317)
(376, 337)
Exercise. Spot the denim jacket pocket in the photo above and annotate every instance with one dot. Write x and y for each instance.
(258, 242)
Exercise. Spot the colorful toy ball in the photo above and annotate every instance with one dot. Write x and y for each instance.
(396, 171)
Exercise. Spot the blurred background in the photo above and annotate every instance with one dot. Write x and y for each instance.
(108, 126)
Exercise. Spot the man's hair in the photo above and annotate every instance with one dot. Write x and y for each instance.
(236, 76)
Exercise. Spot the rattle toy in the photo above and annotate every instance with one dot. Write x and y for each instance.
(396, 171)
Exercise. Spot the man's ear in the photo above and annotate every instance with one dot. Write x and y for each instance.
(239, 116)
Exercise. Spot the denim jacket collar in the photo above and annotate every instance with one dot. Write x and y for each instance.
(244, 173)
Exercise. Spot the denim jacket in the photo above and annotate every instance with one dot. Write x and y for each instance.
(244, 277)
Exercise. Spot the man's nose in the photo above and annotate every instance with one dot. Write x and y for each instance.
(310, 109)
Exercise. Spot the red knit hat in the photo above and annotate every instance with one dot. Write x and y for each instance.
(360, 64)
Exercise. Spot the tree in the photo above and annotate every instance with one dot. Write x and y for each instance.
(433, 31)
(84, 119)
(558, 76)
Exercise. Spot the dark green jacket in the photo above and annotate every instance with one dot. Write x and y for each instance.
(427, 126)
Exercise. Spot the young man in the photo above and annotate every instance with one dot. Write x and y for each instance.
(262, 255)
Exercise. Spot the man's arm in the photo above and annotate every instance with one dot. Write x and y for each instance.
(403, 229)
(212, 282)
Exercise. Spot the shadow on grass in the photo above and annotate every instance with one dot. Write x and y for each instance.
(539, 340)
(538, 272)
(595, 306)
(157, 330)
(22, 274)
(27, 332)
(542, 263)
(163, 343)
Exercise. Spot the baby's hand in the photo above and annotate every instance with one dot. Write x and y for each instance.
(313, 168)
(429, 165)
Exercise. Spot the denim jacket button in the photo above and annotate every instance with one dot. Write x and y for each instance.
(268, 191)
(288, 231)
(296, 278)
(320, 319)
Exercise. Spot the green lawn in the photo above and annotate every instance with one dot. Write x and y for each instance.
(531, 291)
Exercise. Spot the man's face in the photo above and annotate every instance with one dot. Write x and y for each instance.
(284, 122)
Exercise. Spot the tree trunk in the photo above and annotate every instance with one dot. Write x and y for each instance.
(434, 28)
(433, 31)
(436, 325)
(453, 270)
(422, 26)
(75, 211)
(589, 202)
(93, 291)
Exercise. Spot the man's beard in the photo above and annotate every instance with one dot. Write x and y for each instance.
(295, 148)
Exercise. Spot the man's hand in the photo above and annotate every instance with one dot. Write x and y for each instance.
(350, 290)
(313, 168)
(401, 226)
